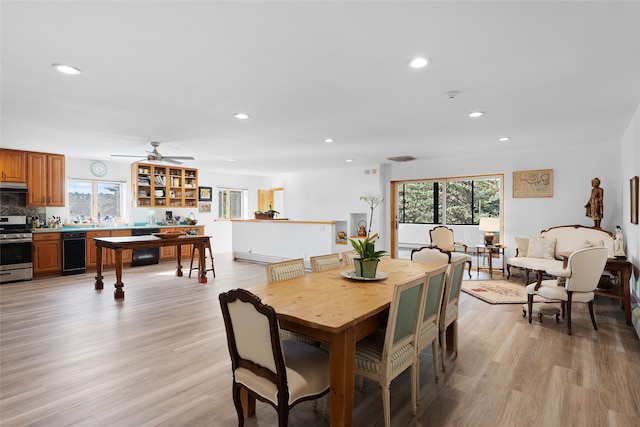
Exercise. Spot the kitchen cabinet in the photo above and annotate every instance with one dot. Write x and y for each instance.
(13, 165)
(47, 254)
(108, 257)
(46, 179)
(164, 186)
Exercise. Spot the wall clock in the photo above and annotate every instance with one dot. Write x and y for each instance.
(98, 168)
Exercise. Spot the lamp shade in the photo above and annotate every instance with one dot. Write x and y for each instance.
(489, 224)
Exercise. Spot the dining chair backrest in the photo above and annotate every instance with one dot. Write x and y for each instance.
(324, 262)
(253, 337)
(430, 254)
(284, 270)
(405, 312)
(453, 285)
(436, 281)
(586, 267)
(348, 256)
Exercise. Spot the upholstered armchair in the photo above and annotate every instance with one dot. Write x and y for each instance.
(581, 277)
(442, 238)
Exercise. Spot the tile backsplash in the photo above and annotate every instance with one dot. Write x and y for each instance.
(16, 204)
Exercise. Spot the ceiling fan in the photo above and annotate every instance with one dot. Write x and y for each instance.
(156, 156)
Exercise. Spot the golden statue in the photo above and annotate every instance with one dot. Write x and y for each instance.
(595, 205)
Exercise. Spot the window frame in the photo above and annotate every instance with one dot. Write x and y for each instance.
(95, 183)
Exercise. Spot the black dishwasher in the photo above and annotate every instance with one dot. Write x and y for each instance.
(74, 246)
(145, 256)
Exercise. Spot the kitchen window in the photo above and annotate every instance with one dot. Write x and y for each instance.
(94, 201)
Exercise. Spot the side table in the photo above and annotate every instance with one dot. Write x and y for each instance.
(489, 249)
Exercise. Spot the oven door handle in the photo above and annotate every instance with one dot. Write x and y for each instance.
(9, 241)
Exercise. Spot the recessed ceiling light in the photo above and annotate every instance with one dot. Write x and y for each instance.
(231, 160)
(349, 160)
(419, 62)
(504, 139)
(241, 116)
(329, 140)
(67, 69)
(476, 113)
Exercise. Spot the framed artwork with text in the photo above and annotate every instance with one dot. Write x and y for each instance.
(533, 183)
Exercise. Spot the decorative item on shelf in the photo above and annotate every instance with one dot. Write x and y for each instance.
(618, 244)
(373, 200)
(367, 263)
(594, 208)
(362, 228)
(489, 226)
(341, 237)
(269, 214)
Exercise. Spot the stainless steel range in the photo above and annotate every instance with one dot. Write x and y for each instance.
(16, 253)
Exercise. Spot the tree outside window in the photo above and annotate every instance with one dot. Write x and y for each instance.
(90, 200)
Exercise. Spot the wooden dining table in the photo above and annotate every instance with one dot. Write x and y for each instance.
(339, 311)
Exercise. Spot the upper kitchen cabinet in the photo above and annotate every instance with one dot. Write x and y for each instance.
(164, 186)
(45, 179)
(13, 165)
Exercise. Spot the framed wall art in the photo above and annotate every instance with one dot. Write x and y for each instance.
(204, 194)
(204, 207)
(633, 185)
(534, 183)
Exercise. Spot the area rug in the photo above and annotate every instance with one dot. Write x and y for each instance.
(497, 291)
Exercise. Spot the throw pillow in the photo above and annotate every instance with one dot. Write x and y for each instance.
(590, 244)
(540, 247)
(522, 243)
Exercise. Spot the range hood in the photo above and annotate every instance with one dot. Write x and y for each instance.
(13, 187)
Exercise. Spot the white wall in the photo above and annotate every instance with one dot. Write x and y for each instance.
(573, 168)
(630, 167)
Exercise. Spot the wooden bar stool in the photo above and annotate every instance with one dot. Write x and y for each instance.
(193, 252)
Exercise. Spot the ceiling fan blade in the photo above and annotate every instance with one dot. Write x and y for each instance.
(179, 157)
(124, 155)
(170, 160)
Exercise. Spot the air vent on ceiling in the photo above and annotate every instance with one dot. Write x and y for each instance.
(401, 158)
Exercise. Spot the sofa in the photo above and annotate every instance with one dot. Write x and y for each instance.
(544, 252)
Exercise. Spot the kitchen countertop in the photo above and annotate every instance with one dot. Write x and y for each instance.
(90, 227)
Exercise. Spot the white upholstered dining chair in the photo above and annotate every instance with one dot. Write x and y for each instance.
(281, 374)
(581, 277)
(284, 270)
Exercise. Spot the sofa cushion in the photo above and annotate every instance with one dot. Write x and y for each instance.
(541, 247)
(571, 238)
(522, 244)
(535, 263)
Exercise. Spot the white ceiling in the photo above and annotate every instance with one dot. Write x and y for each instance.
(545, 73)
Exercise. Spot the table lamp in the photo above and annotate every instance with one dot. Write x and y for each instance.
(489, 225)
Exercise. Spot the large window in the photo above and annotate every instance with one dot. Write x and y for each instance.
(231, 203)
(95, 200)
(455, 201)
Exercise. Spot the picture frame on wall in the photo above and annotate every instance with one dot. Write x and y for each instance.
(533, 183)
(633, 186)
(204, 207)
(205, 194)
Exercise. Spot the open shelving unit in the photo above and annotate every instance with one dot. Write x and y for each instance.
(164, 186)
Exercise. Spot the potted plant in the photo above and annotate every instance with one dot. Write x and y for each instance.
(269, 214)
(367, 264)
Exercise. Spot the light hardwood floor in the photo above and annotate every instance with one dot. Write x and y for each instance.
(71, 355)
